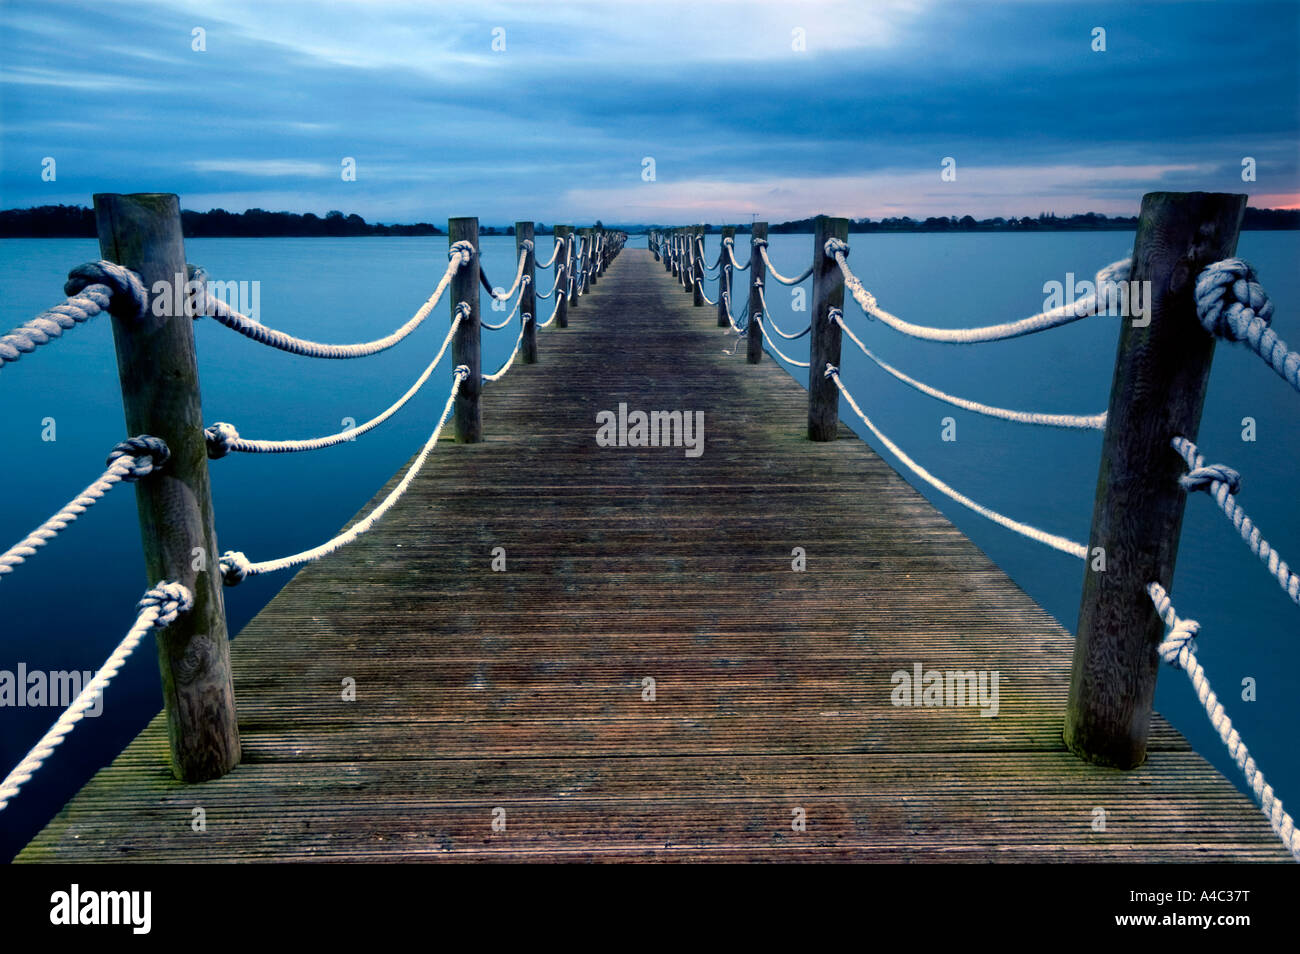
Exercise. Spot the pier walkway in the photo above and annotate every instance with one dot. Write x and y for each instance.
(510, 715)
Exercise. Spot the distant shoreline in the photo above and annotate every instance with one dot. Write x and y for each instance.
(70, 221)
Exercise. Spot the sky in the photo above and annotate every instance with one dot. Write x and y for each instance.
(550, 111)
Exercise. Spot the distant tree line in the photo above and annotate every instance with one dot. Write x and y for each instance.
(73, 221)
(1254, 220)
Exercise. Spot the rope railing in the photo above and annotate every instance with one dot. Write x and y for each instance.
(767, 315)
(1233, 305)
(223, 438)
(558, 274)
(128, 461)
(235, 566)
(500, 372)
(1179, 650)
(1078, 421)
(1083, 307)
(761, 243)
(159, 607)
(1222, 483)
(1056, 542)
(555, 253)
(729, 244)
(762, 326)
(519, 275)
(460, 254)
(519, 300)
(91, 288)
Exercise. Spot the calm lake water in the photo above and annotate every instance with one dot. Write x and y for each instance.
(69, 606)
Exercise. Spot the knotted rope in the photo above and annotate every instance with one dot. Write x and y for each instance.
(1179, 650)
(159, 607)
(1233, 305)
(1222, 483)
(130, 460)
(91, 288)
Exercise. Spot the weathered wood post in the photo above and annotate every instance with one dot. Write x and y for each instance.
(574, 278)
(1157, 392)
(654, 244)
(757, 275)
(824, 348)
(528, 302)
(595, 255)
(161, 398)
(465, 345)
(562, 274)
(697, 285)
(724, 275)
(666, 242)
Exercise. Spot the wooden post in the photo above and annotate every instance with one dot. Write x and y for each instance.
(1157, 392)
(465, 345)
(654, 245)
(528, 304)
(666, 239)
(757, 275)
(562, 266)
(586, 252)
(160, 396)
(697, 280)
(824, 348)
(595, 255)
(724, 275)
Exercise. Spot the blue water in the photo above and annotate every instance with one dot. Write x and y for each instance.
(68, 607)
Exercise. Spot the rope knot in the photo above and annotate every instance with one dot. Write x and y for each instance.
(170, 598)
(1200, 478)
(728, 240)
(221, 439)
(234, 566)
(130, 299)
(830, 371)
(1181, 636)
(526, 245)
(758, 282)
(147, 455)
(464, 249)
(835, 315)
(462, 371)
(1230, 301)
(758, 242)
(836, 246)
(526, 317)
(463, 310)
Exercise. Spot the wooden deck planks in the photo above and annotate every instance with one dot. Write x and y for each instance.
(523, 690)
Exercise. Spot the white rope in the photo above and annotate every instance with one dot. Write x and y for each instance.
(501, 371)
(460, 254)
(554, 311)
(1024, 529)
(130, 460)
(1179, 650)
(559, 273)
(159, 607)
(762, 250)
(704, 294)
(1073, 311)
(554, 253)
(90, 289)
(768, 315)
(224, 439)
(235, 566)
(1085, 421)
(519, 277)
(726, 297)
(703, 258)
(1232, 304)
(762, 326)
(1222, 483)
(729, 244)
(497, 327)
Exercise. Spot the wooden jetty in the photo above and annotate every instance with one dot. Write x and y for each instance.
(508, 715)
